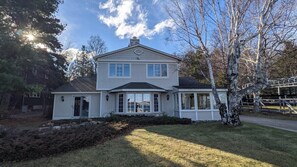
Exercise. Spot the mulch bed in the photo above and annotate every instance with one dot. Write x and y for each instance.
(65, 135)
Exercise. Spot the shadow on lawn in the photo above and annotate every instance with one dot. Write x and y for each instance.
(248, 142)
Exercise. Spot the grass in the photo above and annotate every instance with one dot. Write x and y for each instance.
(271, 115)
(203, 144)
(283, 108)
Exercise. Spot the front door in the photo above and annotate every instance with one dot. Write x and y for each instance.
(81, 107)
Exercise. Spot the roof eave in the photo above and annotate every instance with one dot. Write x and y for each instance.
(138, 45)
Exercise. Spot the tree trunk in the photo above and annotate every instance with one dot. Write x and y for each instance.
(257, 101)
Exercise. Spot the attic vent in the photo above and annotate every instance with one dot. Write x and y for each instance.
(134, 41)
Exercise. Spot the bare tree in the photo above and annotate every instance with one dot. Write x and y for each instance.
(234, 23)
(96, 45)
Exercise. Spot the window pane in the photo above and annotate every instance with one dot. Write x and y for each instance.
(77, 104)
(121, 102)
(126, 70)
(223, 99)
(138, 101)
(131, 104)
(119, 70)
(203, 101)
(150, 70)
(187, 101)
(156, 102)
(112, 70)
(157, 70)
(164, 70)
(85, 106)
(146, 103)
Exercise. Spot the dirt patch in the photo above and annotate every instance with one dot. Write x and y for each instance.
(24, 120)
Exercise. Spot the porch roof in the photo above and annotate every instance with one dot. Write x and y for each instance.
(192, 83)
(138, 86)
(83, 84)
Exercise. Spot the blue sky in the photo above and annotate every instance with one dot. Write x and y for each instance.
(116, 22)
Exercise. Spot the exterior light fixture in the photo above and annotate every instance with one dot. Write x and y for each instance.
(167, 97)
(62, 98)
(107, 97)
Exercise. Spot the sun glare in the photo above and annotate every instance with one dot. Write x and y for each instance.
(30, 37)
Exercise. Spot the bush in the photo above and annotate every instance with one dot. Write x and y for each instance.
(148, 120)
(30, 144)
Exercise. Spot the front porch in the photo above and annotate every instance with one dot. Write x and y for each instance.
(198, 105)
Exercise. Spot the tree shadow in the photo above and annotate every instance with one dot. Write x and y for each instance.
(255, 142)
(249, 141)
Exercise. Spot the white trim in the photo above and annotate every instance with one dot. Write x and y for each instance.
(196, 104)
(179, 104)
(138, 90)
(211, 98)
(139, 61)
(75, 92)
(100, 107)
(90, 106)
(156, 77)
(130, 71)
(139, 45)
(54, 107)
(200, 90)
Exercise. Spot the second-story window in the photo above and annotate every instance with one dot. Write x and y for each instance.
(119, 70)
(157, 70)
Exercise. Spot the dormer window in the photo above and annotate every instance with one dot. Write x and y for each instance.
(119, 70)
(156, 70)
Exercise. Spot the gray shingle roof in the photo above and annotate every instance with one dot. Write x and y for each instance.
(83, 84)
(138, 85)
(191, 83)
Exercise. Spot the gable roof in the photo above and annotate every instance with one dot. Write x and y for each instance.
(134, 46)
(83, 84)
(192, 83)
(141, 86)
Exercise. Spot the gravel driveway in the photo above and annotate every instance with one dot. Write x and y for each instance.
(275, 123)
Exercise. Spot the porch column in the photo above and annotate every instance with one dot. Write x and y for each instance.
(211, 104)
(196, 105)
(179, 104)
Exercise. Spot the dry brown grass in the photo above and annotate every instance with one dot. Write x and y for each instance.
(204, 144)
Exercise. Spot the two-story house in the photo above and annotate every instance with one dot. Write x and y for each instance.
(136, 80)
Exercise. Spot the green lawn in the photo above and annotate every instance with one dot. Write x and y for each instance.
(271, 115)
(203, 144)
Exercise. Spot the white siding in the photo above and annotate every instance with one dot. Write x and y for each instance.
(65, 109)
(109, 106)
(138, 74)
(138, 67)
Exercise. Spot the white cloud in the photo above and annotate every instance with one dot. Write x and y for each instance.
(130, 19)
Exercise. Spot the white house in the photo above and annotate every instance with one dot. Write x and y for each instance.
(136, 80)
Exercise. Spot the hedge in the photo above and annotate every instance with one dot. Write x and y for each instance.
(66, 135)
(148, 120)
(16, 145)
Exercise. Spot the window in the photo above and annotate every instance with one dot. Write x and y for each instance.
(131, 104)
(222, 97)
(156, 102)
(157, 70)
(203, 101)
(119, 70)
(139, 102)
(187, 101)
(121, 102)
